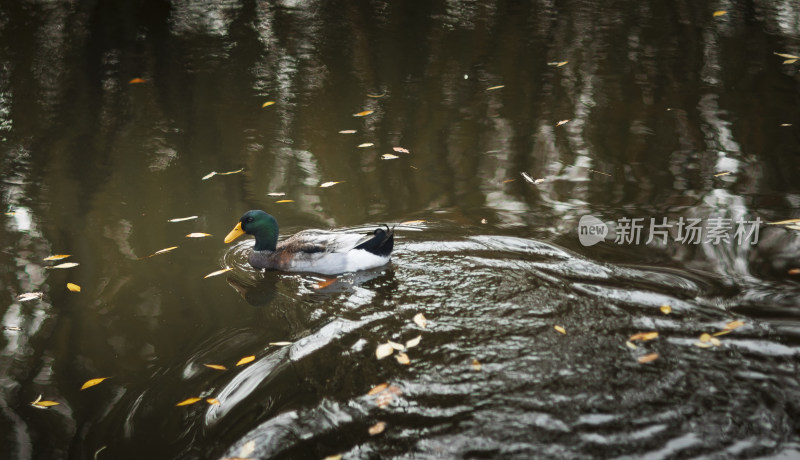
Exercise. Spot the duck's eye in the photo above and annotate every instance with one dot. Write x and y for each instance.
(249, 219)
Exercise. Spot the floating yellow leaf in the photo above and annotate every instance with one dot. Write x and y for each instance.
(389, 156)
(285, 201)
(793, 227)
(562, 122)
(705, 337)
(560, 329)
(188, 401)
(413, 342)
(790, 61)
(723, 332)
(218, 367)
(267, 104)
(218, 272)
(400, 149)
(198, 235)
(363, 114)
(402, 358)
(280, 344)
(643, 336)
(45, 403)
(245, 360)
(377, 428)
(29, 296)
(509, 180)
(329, 184)
(495, 87)
(665, 309)
(181, 219)
(787, 56)
(212, 401)
(348, 131)
(92, 382)
(377, 389)
(137, 80)
(383, 350)
(396, 345)
(715, 341)
(702, 345)
(720, 13)
(58, 257)
(365, 144)
(648, 358)
(165, 250)
(230, 172)
(784, 222)
(631, 345)
(420, 320)
(376, 95)
(476, 365)
(723, 173)
(333, 457)
(65, 265)
(734, 324)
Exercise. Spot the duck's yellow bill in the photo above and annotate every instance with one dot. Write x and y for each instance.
(235, 233)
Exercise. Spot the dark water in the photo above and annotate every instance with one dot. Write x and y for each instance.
(674, 113)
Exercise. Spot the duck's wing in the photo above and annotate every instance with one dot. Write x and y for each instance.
(333, 252)
(319, 241)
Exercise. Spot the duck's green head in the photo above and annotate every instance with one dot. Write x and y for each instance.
(259, 224)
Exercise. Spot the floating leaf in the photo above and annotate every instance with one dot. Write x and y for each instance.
(333, 457)
(495, 87)
(165, 250)
(73, 287)
(476, 365)
(209, 175)
(420, 320)
(218, 272)
(703, 345)
(723, 173)
(396, 346)
(787, 56)
(276, 194)
(527, 177)
(65, 265)
(644, 336)
(389, 156)
(377, 389)
(280, 344)
(11, 328)
(218, 367)
(384, 350)
(188, 401)
(562, 122)
(484, 221)
(648, 358)
(376, 95)
(377, 428)
(413, 222)
(715, 341)
(45, 403)
(248, 448)
(57, 257)
(734, 324)
(212, 401)
(181, 219)
(363, 114)
(285, 201)
(400, 149)
(136, 81)
(92, 382)
(348, 131)
(509, 180)
(785, 125)
(230, 172)
(365, 144)
(402, 358)
(245, 360)
(29, 296)
(705, 337)
(665, 309)
(413, 342)
(329, 184)
(560, 329)
(557, 63)
(784, 222)
(198, 235)
(631, 345)
(720, 13)
(267, 104)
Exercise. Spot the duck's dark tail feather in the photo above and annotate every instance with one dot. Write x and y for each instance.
(381, 243)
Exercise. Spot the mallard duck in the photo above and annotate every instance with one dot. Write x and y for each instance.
(317, 251)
